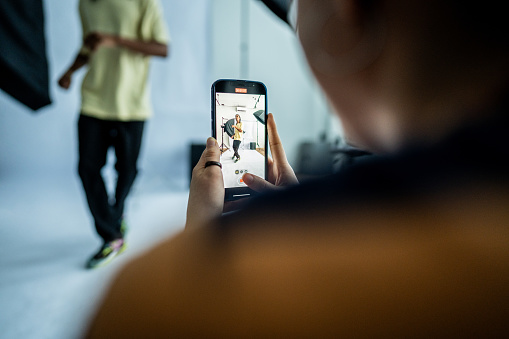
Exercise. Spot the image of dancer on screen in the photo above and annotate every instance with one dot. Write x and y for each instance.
(237, 137)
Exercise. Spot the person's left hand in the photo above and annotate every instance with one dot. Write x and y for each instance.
(206, 194)
(95, 40)
(280, 173)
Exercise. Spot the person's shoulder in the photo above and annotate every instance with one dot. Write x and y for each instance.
(155, 286)
(300, 266)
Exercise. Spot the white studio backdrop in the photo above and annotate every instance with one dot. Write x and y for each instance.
(249, 41)
(46, 142)
(207, 44)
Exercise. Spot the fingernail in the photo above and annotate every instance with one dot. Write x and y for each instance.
(248, 178)
(211, 142)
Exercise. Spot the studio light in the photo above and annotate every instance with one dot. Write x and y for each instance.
(228, 127)
(260, 116)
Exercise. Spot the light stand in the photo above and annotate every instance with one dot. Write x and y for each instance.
(223, 146)
(260, 116)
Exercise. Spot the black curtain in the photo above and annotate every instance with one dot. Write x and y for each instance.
(23, 63)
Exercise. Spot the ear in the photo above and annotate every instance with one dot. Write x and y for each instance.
(348, 11)
(334, 23)
(345, 26)
(338, 35)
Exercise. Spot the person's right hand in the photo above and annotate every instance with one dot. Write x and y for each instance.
(279, 171)
(206, 193)
(65, 81)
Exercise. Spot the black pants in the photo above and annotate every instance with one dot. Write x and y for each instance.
(236, 145)
(95, 137)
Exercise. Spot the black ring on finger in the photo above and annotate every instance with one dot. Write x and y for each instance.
(213, 163)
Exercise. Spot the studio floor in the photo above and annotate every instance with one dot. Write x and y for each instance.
(46, 236)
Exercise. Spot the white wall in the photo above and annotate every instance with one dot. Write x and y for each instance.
(46, 141)
(206, 45)
(274, 57)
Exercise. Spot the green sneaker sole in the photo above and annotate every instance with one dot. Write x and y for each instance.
(94, 263)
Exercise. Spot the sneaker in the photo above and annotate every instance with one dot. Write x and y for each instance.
(107, 252)
(123, 227)
(233, 158)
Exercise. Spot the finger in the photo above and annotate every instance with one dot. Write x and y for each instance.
(276, 147)
(271, 172)
(257, 184)
(211, 153)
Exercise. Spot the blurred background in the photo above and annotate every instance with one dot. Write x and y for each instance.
(46, 232)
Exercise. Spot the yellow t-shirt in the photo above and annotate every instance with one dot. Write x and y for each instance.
(115, 86)
(238, 135)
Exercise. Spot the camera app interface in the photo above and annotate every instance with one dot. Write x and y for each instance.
(240, 131)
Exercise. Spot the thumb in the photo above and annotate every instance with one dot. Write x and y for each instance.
(257, 184)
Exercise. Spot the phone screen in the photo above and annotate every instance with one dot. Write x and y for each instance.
(239, 109)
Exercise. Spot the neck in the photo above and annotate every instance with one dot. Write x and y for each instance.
(422, 121)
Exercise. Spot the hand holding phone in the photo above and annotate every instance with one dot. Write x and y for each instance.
(280, 173)
(206, 201)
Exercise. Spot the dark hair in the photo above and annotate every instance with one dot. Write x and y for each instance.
(238, 115)
(487, 22)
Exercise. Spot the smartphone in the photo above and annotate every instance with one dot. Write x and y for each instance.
(239, 115)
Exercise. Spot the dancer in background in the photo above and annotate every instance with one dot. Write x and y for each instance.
(118, 39)
(237, 137)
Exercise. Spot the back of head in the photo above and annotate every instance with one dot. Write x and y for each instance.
(389, 66)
